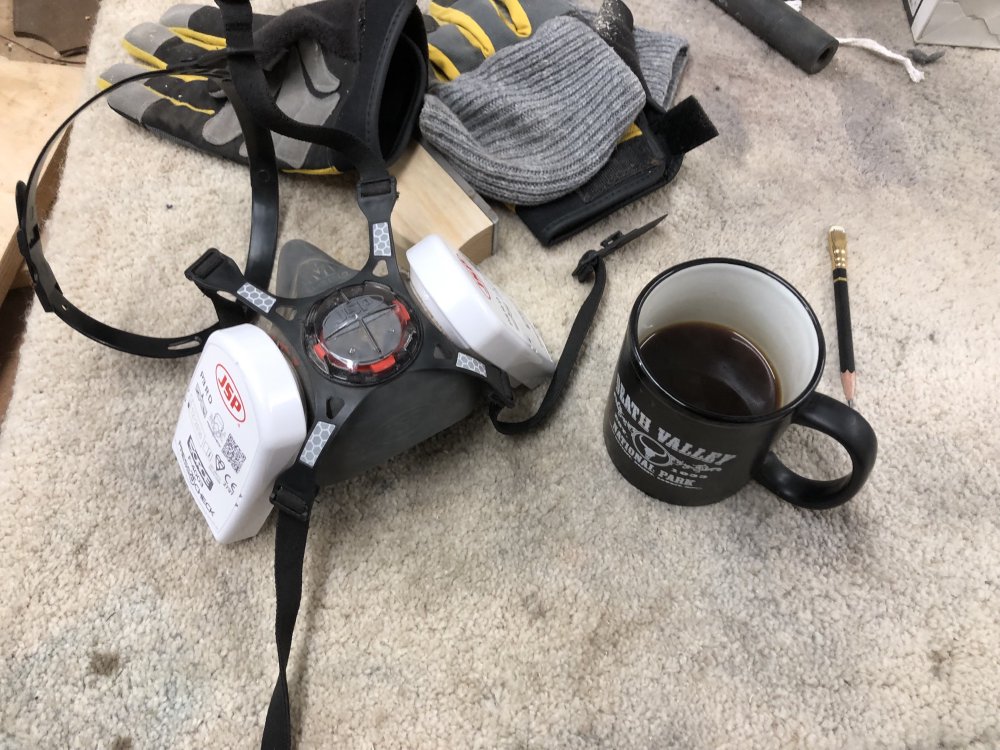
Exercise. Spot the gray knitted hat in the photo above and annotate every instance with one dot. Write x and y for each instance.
(540, 118)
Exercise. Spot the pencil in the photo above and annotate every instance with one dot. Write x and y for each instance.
(845, 342)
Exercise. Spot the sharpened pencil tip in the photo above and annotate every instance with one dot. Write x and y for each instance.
(848, 381)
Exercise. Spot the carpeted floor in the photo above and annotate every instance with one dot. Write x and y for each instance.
(482, 591)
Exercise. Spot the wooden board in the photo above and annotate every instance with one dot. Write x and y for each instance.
(35, 98)
(434, 199)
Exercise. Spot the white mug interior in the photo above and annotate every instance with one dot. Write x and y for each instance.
(748, 301)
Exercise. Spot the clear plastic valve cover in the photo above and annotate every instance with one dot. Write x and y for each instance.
(362, 334)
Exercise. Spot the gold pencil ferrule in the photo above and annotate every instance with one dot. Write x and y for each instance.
(838, 247)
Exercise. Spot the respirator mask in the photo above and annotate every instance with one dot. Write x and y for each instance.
(342, 370)
(338, 369)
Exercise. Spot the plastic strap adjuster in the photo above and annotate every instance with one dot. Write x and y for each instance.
(215, 272)
(377, 198)
(593, 258)
(291, 503)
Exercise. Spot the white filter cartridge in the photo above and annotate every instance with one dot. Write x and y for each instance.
(475, 313)
(241, 424)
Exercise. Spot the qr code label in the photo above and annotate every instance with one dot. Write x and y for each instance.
(232, 451)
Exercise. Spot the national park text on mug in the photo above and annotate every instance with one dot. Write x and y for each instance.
(665, 457)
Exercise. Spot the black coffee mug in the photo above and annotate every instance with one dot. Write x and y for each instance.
(719, 358)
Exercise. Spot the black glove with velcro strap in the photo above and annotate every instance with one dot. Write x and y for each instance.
(317, 68)
(650, 154)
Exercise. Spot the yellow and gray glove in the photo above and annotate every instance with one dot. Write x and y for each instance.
(311, 56)
(463, 33)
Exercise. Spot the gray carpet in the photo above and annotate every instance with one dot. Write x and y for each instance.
(481, 591)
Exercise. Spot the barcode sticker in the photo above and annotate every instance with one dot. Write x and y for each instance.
(232, 451)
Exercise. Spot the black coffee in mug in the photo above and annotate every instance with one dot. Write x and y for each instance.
(712, 367)
(720, 357)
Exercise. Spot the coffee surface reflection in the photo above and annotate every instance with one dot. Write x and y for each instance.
(712, 368)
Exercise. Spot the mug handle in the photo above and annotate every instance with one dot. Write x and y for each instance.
(847, 427)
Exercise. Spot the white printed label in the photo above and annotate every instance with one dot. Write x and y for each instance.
(214, 441)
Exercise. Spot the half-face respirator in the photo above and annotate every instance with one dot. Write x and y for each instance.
(343, 370)
(338, 369)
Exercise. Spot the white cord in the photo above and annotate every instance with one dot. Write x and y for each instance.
(872, 46)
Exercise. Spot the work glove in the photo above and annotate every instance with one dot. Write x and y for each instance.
(312, 55)
(559, 112)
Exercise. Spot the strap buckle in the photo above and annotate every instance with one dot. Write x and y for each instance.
(592, 258)
(294, 492)
(377, 198)
(291, 503)
(28, 239)
(215, 272)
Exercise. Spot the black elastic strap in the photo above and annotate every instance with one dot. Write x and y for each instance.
(43, 279)
(289, 554)
(248, 76)
(591, 264)
(264, 211)
(293, 496)
(683, 127)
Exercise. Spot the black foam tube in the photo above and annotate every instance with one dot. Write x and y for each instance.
(789, 32)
